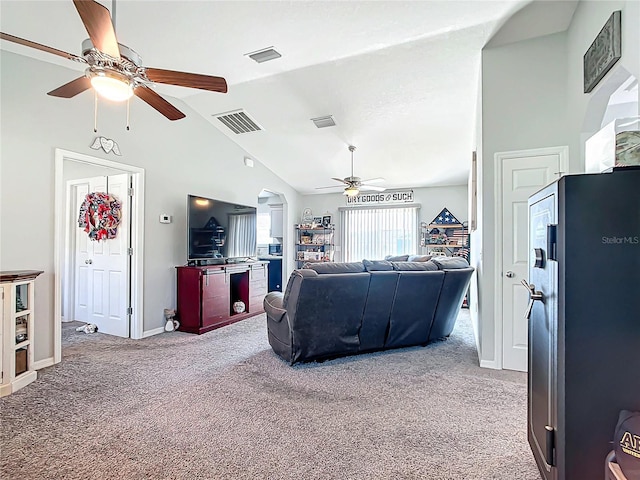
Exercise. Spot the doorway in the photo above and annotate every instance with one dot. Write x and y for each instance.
(272, 235)
(519, 175)
(96, 282)
(74, 173)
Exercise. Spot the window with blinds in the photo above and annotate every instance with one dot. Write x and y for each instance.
(373, 233)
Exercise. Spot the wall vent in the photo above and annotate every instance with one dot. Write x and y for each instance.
(238, 121)
(322, 122)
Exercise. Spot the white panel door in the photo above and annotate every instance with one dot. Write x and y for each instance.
(522, 175)
(102, 273)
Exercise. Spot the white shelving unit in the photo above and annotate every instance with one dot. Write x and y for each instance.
(17, 332)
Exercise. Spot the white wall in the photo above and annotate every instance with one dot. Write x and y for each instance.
(532, 96)
(523, 107)
(432, 201)
(186, 156)
(585, 112)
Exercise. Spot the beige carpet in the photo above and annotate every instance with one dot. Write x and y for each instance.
(223, 406)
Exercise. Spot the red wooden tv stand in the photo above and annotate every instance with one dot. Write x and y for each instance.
(206, 294)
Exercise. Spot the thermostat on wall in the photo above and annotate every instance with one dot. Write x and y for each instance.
(164, 218)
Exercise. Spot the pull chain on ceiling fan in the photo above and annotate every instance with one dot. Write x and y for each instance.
(355, 184)
(114, 70)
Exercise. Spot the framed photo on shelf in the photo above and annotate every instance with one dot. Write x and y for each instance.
(326, 221)
(300, 256)
(317, 221)
(321, 238)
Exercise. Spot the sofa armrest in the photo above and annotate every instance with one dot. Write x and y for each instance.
(273, 306)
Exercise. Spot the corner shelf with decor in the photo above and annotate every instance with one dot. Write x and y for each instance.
(314, 243)
(16, 329)
(445, 235)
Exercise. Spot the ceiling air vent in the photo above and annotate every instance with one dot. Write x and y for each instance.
(264, 55)
(238, 121)
(322, 122)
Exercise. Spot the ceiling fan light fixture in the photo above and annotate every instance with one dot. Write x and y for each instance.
(113, 86)
(351, 191)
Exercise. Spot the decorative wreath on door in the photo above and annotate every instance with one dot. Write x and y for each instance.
(100, 215)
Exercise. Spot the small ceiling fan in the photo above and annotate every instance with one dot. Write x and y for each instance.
(356, 184)
(115, 71)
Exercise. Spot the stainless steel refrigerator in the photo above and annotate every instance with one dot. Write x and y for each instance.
(584, 319)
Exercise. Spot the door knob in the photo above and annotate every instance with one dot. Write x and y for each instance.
(88, 261)
(510, 274)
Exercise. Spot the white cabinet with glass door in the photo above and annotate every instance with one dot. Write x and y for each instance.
(17, 331)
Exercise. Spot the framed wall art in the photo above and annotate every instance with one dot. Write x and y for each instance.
(603, 53)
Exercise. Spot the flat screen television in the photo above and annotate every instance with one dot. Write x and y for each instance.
(219, 232)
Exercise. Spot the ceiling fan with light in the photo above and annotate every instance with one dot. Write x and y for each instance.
(354, 185)
(115, 71)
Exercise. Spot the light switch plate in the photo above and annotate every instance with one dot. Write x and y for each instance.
(165, 218)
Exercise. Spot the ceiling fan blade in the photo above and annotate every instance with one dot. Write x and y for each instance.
(374, 180)
(97, 21)
(184, 79)
(71, 89)
(38, 46)
(372, 187)
(157, 102)
(340, 180)
(330, 186)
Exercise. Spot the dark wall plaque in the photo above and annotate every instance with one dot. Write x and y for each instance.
(603, 53)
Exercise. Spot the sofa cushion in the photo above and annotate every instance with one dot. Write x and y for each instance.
(396, 258)
(330, 267)
(449, 263)
(413, 266)
(377, 265)
(419, 258)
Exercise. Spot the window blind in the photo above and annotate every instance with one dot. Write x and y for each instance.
(373, 233)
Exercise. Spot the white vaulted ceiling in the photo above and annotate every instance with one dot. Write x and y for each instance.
(400, 78)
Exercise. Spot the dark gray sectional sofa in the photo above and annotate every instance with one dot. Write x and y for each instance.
(335, 309)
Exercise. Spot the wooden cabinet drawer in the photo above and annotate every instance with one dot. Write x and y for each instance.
(258, 286)
(214, 284)
(256, 304)
(258, 272)
(214, 310)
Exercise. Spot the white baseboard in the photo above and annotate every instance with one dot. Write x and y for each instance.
(47, 362)
(489, 364)
(150, 333)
